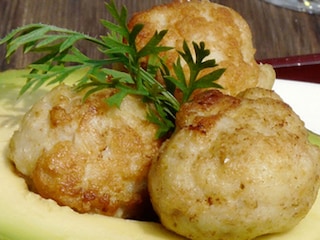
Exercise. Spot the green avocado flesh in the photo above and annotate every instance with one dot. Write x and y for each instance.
(25, 215)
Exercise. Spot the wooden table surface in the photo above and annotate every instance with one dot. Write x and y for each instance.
(277, 32)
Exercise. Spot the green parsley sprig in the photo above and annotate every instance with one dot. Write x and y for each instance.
(61, 57)
(188, 86)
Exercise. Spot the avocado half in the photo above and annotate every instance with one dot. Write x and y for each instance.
(25, 215)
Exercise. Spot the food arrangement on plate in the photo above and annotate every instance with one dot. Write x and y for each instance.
(175, 134)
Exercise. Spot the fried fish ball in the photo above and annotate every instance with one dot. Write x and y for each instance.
(225, 33)
(87, 155)
(236, 168)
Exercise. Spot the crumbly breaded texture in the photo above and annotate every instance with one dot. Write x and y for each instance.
(87, 155)
(236, 168)
(224, 32)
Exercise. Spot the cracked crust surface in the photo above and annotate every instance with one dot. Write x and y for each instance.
(225, 33)
(236, 168)
(87, 155)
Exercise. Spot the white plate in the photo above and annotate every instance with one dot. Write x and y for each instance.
(65, 224)
(304, 98)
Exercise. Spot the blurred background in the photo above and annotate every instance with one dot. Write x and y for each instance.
(277, 32)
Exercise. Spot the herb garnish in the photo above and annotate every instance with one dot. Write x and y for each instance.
(62, 58)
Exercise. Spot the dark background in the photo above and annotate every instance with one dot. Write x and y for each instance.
(277, 32)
